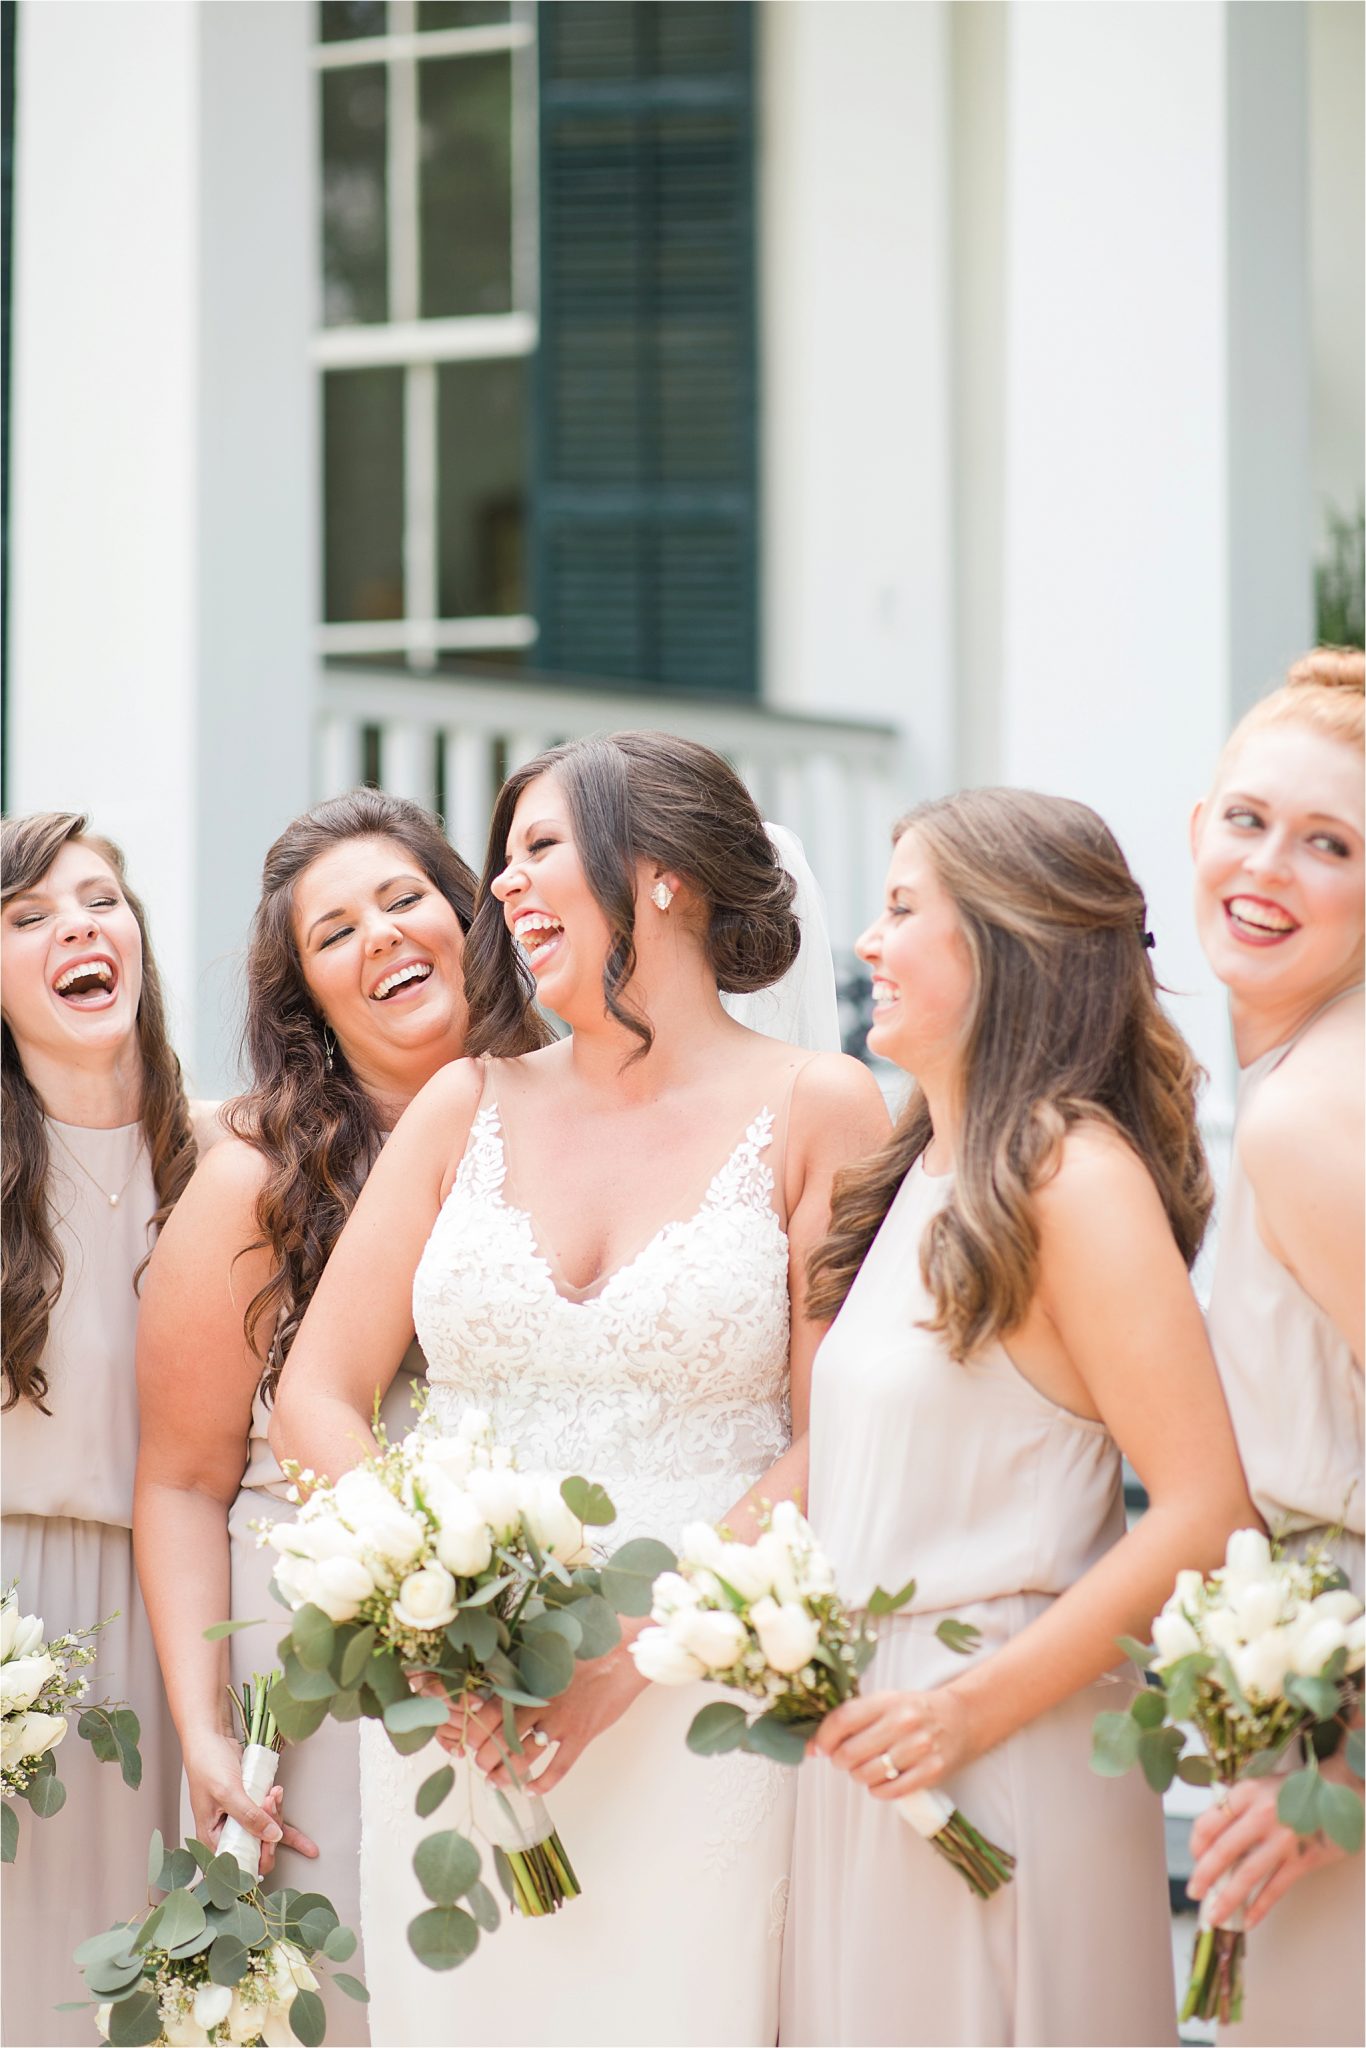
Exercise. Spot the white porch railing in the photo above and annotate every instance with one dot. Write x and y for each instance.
(447, 741)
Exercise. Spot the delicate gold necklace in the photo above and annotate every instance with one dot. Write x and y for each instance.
(113, 1200)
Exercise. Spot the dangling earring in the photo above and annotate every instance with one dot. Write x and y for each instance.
(661, 895)
(329, 1047)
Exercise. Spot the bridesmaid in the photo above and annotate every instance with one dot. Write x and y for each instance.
(355, 997)
(1013, 1309)
(1279, 901)
(98, 1145)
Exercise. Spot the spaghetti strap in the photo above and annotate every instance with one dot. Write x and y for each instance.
(1357, 988)
(782, 1123)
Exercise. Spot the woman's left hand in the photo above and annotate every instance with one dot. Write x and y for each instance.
(599, 1694)
(1241, 1841)
(926, 1735)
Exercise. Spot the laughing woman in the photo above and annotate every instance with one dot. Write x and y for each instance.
(355, 998)
(1280, 898)
(1013, 1310)
(98, 1144)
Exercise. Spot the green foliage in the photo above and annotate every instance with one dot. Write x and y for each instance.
(355, 1655)
(303, 1682)
(220, 1629)
(1149, 1710)
(432, 1791)
(313, 1637)
(308, 2018)
(784, 1742)
(959, 1636)
(352, 1986)
(588, 1501)
(1158, 1751)
(340, 1945)
(113, 1733)
(474, 1630)
(1114, 1744)
(443, 1937)
(484, 1907)
(416, 1711)
(295, 1719)
(1308, 1802)
(718, 1728)
(229, 1961)
(1340, 582)
(545, 1662)
(1356, 1751)
(135, 2020)
(45, 1793)
(1138, 1653)
(880, 1602)
(1318, 1696)
(447, 1864)
(629, 1575)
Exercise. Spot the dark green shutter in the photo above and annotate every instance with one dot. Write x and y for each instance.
(645, 488)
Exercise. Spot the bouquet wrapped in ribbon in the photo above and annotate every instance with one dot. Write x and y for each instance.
(261, 1746)
(436, 1561)
(40, 1686)
(764, 1619)
(1261, 1659)
(217, 1960)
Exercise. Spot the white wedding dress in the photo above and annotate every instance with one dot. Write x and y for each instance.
(667, 1382)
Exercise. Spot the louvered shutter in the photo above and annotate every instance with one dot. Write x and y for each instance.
(644, 498)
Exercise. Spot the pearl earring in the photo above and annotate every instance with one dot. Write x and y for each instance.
(661, 895)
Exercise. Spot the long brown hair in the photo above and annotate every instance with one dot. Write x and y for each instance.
(314, 1125)
(32, 1259)
(1065, 1027)
(639, 796)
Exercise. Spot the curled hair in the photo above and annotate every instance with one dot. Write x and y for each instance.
(1323, 690)
(632, 797)
(1065, 1027)
(32, 1259)
(317, 1131)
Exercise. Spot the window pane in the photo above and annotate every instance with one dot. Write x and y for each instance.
(341, 21)
(355, 237)
(363, 493)
(466, 148)
(481, 450)
(434, 14)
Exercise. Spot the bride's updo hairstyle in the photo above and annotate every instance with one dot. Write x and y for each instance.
(1323, 690)
(632, 797)
(1065, 1028)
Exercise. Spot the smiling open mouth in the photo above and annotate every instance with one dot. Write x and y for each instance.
(402, 977)
(535, 931)
(1255, 919)
(86, 983)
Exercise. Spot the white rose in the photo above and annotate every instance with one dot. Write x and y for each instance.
(1339, 1605)
(1173, 1637)
(9, 1624)
(1260, 1666)
(377, 1518)
(551, 1521)
(1356, 1643)
(244, 2021)
(671, 1592)
(426, 1599)
(42, 1732)
(1316, 1645)
(23, 1678)
(1248, 1555)
(296, 1964)
(274, 2027)
(787, 1634)
(340, 1584)
(745, 1567)
(294, 1578)
(494, 1491)
(463, 1542)
(660, 1658)
(447, 1455)
(1189, 1593)
(316, 1537)
(186, 2032)
(212, 2003)
(716, 1639)
(701, 1546)
(1259, 1605)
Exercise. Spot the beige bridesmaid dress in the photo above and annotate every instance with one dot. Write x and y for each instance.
(1295, 1394)
(969, 1480)
(67, 1538)
(321, 1778)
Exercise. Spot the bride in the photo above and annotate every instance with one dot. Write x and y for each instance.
(603, 1243)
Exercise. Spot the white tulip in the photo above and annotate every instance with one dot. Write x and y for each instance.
(23, 1678)
(294, 1578)
(451, 1456)
(551, 1521)
(382, 1524)
(787, 1634)
(701, 1546)
(42, 1732)
(745, 1567)
(672, 1592)
(186, 2032)
(1339, 1605)
(788, 1521)
(340, 1584)
(1316, 1645)
(1356, 1643)
(494, 1491)
(463, 1542)
(1260, 1666)
(316, 1537)
(1189, 1593)
(1173, 1637)
(102, 2013)
(775, 1560)
(660, 1658)
(1248, 1555)
(296, 1962)
(1221, 1631)
(212, 2003)
(714, 1637)
(426, 1599)
(9, 1624)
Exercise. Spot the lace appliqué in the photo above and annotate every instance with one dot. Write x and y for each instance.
(742, 1792)
(777, 1908)
(669, 1385)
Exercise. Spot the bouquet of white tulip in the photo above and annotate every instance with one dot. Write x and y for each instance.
(1265, 1653)
(764, 1618)
(217, 1960)
(436, 1559)
(40, 1683)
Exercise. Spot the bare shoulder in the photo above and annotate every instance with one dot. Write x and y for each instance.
(227, 1178)
(1099, 1180)
(430, 1135)
(208, 1124)
(1309, 1111)
(832, 1084)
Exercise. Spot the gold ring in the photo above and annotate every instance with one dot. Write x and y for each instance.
(890, 1770)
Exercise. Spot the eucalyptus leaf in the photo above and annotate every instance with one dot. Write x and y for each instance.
(880, 1602)
(432, 1791)
(229, 1961)
(443, 1937)
(201, 1852)
(1318, 1695)
(216, 1633)
(962, 1637)
(340, 1945)
(474, 1630)
(315, 1927)
(384, 1676)
(1138, 1653)
(135, 2021)
(783, 1741)
(150, 1928)
(629, 1575)
(1149, 1709)
(503, 1871)
(181, 1917)
(296, 1719)
(240, 1919)
(555, 1621)
(114, 1975)
(46, 1794)
(488, 1591)
(156, 1856)
(1158, 1750)
(308, 2018)
(1114, 1744)
(588, 1501)
(717, 1729)
(9, 1832)
(1341, 1816)
(414, 1711)
(1356, 1751)
(313, 1636)
(352, 1986)
(1195, 1770)
(345, 1706)
(1266, 1762)
(1297, 1803)
(116, 1941)
(305, 1683)
(484, 1907)
(223, 1880)
(355, 1656)
(599, 1629)
(447, 1864)
(546, 1663)
(193, 1944)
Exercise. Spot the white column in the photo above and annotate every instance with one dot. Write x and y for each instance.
(163, 490)
(1133, 158)
(854, 274)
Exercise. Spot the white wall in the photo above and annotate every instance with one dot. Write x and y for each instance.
(856, 432)
(1337, 188)
(162, 550)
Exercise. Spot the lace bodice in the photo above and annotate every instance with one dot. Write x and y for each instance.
(669, 1385)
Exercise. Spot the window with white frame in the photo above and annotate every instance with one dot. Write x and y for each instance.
(429, 233)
